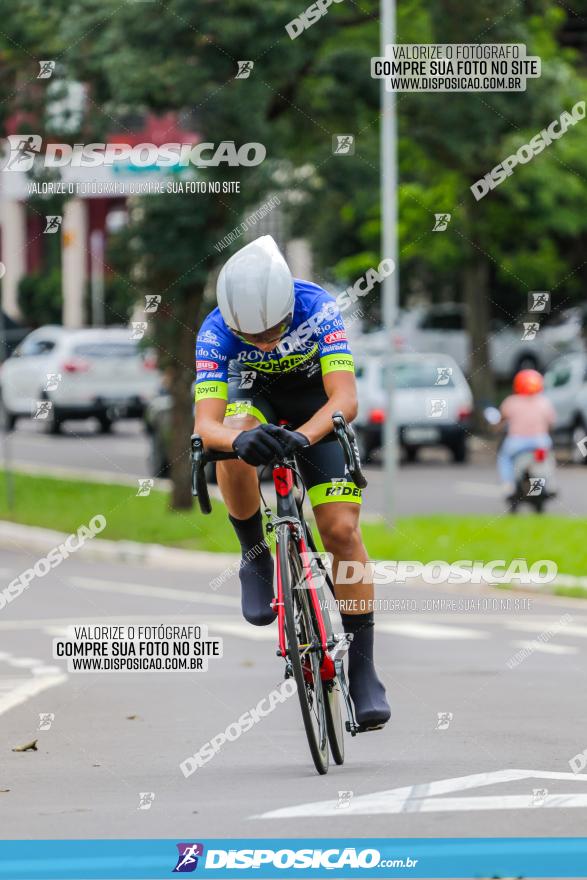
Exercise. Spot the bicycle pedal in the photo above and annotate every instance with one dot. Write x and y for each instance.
(366, 728)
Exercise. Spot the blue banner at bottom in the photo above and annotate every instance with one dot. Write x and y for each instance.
(383, 858)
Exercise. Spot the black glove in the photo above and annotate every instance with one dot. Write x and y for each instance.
(259, 445)
(293, 441)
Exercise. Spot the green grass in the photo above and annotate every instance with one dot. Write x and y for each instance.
(66, 504)
(450, 538)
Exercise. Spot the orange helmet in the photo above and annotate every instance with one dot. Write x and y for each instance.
(528, 382)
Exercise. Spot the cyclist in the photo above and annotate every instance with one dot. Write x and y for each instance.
(275, 350)
(529, 416)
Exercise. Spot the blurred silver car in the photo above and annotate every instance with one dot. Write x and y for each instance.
(57, 374)
(441, 328)
(566, 387)
(433, 404)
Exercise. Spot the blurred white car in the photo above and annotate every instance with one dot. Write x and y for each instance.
(441, 328)
(81, 373)
(433, 404)
(566, 387)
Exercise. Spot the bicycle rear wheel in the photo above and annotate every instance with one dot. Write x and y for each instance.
(303, 647)
(334, 720)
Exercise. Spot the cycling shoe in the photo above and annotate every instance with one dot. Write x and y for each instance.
(372, 710)
(256, 577)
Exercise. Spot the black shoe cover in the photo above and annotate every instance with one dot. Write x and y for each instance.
(368, 695)
(256, 577)
(256, 571)
(367, 691)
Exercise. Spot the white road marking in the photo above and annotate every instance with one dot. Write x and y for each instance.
(571, 629)
(415, 630)
(23, 662)
(422, 798)
(26, 690)
(546, 647)
(244, 630)
(132, 589)
(216, 623)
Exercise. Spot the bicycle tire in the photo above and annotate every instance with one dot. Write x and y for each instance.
(334, 722)
(300, 630)
(332, 689)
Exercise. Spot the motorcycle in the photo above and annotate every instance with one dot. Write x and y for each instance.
(534, 473)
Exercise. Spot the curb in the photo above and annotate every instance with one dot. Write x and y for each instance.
(17, 537)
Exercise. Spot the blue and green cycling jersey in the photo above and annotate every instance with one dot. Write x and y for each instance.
(314, 345)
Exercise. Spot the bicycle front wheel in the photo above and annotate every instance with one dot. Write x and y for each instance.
(303, 647)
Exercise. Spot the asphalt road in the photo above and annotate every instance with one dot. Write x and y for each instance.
(117, 735)
(432, 485)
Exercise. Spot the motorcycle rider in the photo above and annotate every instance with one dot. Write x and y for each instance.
(529, 417)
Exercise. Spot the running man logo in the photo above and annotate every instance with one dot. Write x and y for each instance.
(52, 223)
(436, 408)
(344, 800)
(443, 375)
(46, 719)
(187, 860)
(539, 301)
(343, 145)
(146, 799)
(245, 68)
(247, 378)
(24, 149)
(139, 328)
(152, 302)
(441, 222)
(53, 380)
(145, 487)
(46, 69)
(444, 719)
(539, 795)
(537, 485)
(42, 409)
(530, 331)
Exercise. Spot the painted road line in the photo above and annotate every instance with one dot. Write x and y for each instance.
(426, 797)
(23, 662)
(234, 626)
(571, 629)
(432, 631)
(546, 647)
(26, 690)
(147, 590)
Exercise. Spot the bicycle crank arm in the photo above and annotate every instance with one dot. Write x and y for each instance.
(351, 724)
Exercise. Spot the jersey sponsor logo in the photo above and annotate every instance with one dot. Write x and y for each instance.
(283, 364)
(211, 389)
(332, 362)
(344, 490)
(336, 336)
(206, 365)
(342, 346)
(210, 337)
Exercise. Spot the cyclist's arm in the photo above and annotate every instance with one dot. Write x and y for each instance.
(209, 425)
(341, 388)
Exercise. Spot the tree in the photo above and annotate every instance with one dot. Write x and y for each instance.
(181, 55)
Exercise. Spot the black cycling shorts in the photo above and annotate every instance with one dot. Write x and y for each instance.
(272, 401)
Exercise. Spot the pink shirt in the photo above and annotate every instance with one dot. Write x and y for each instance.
(528, 414)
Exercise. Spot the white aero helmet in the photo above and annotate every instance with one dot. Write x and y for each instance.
(255, 289)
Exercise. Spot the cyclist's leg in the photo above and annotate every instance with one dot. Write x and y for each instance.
(337, 518)
(238, 484)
